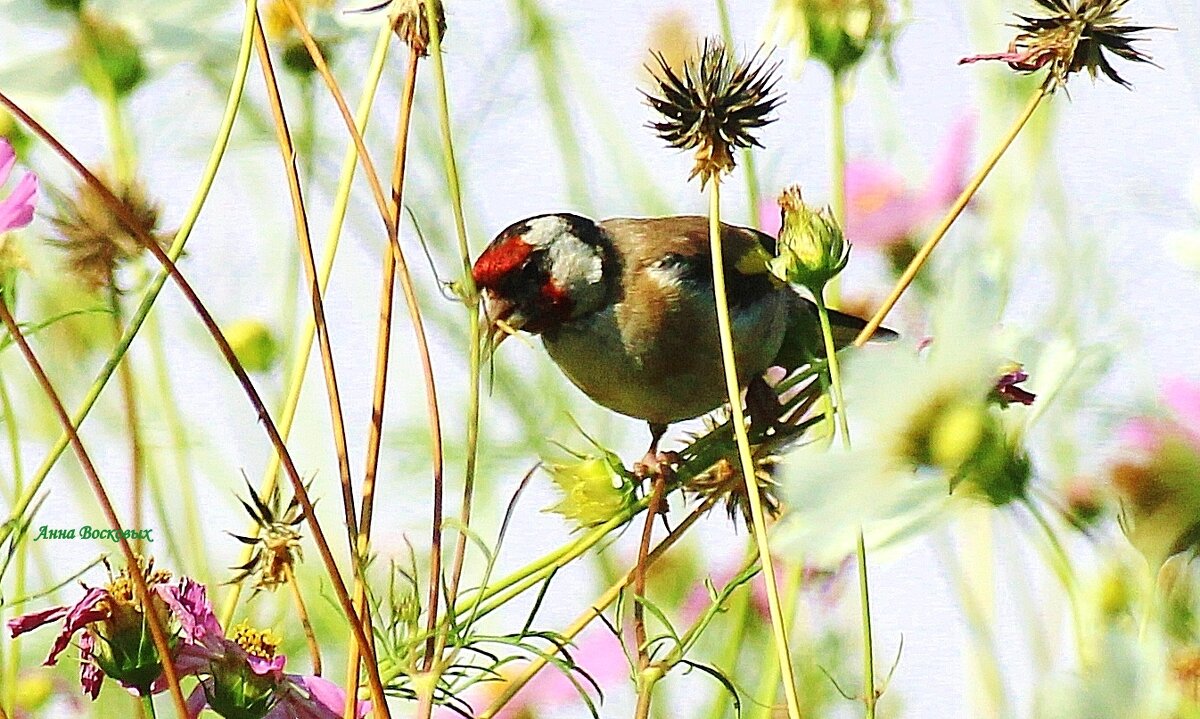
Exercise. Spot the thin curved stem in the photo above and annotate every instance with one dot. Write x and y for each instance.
(314, 649)
(657, 492)
(383, 345)
(922, 256)
(758, 517)
(301, 492)
(870, 697)
(220, 144)
(303, 347)
(473, 401)
(304, 241)
(594, 610)
(157, 632)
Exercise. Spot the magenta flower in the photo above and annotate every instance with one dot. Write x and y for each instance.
(1007, 392)
(111, 623)
(242, 675)
(881, 209)
(16, 210)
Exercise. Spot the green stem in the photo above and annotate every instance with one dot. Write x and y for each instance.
(837, 191)
(864, 597)
(543, 39)
(148, 705)
(733, 390)
(473, 402)
(923, 254)
(303, 348)
(731, 648)
(125, 378)
(1060, 562)
(768, 686)
(8, 679)
(151, 294)
(835, 377)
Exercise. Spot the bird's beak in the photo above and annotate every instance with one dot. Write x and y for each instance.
(497, 311)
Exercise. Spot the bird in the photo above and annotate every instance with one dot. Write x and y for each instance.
(626, 308)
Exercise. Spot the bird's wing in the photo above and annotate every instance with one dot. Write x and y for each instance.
(679, 245)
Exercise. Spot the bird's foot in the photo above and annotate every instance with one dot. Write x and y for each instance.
(655, 463)
(655, 466)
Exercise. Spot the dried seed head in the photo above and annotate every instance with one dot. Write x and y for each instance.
(723, 482)
(412, 24)
(96, 241)
(277, 546)
(1075, 35)
(715, 107)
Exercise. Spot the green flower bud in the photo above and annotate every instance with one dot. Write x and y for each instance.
(593, 491)
(110, 58)
(254, 344)
(297, 61)
(839, 33)
(812, 249)
(75, 6)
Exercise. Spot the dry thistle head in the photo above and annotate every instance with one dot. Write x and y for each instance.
(410, 22)
(723, 482)
(98, 242)
(715, 106)
(1075, 35)
(277, 546)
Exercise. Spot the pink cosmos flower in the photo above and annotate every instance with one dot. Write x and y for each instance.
(243, 675)
(881, 208)
(115, 616)
(16, 210)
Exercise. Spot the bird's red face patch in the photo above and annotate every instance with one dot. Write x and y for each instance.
(500, 260)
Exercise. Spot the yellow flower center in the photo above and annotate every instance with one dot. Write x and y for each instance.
(256, 642)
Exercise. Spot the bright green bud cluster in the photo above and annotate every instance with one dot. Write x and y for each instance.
(110, 58)
(839, 33)
(254, 344)
(812, 248)
(593, 490)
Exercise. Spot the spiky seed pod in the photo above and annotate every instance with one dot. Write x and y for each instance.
(716, 105)
(96, 241)
(1075, 35)
(277, 546)
(723, 482)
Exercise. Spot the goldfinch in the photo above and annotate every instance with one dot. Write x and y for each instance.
(625, 307)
